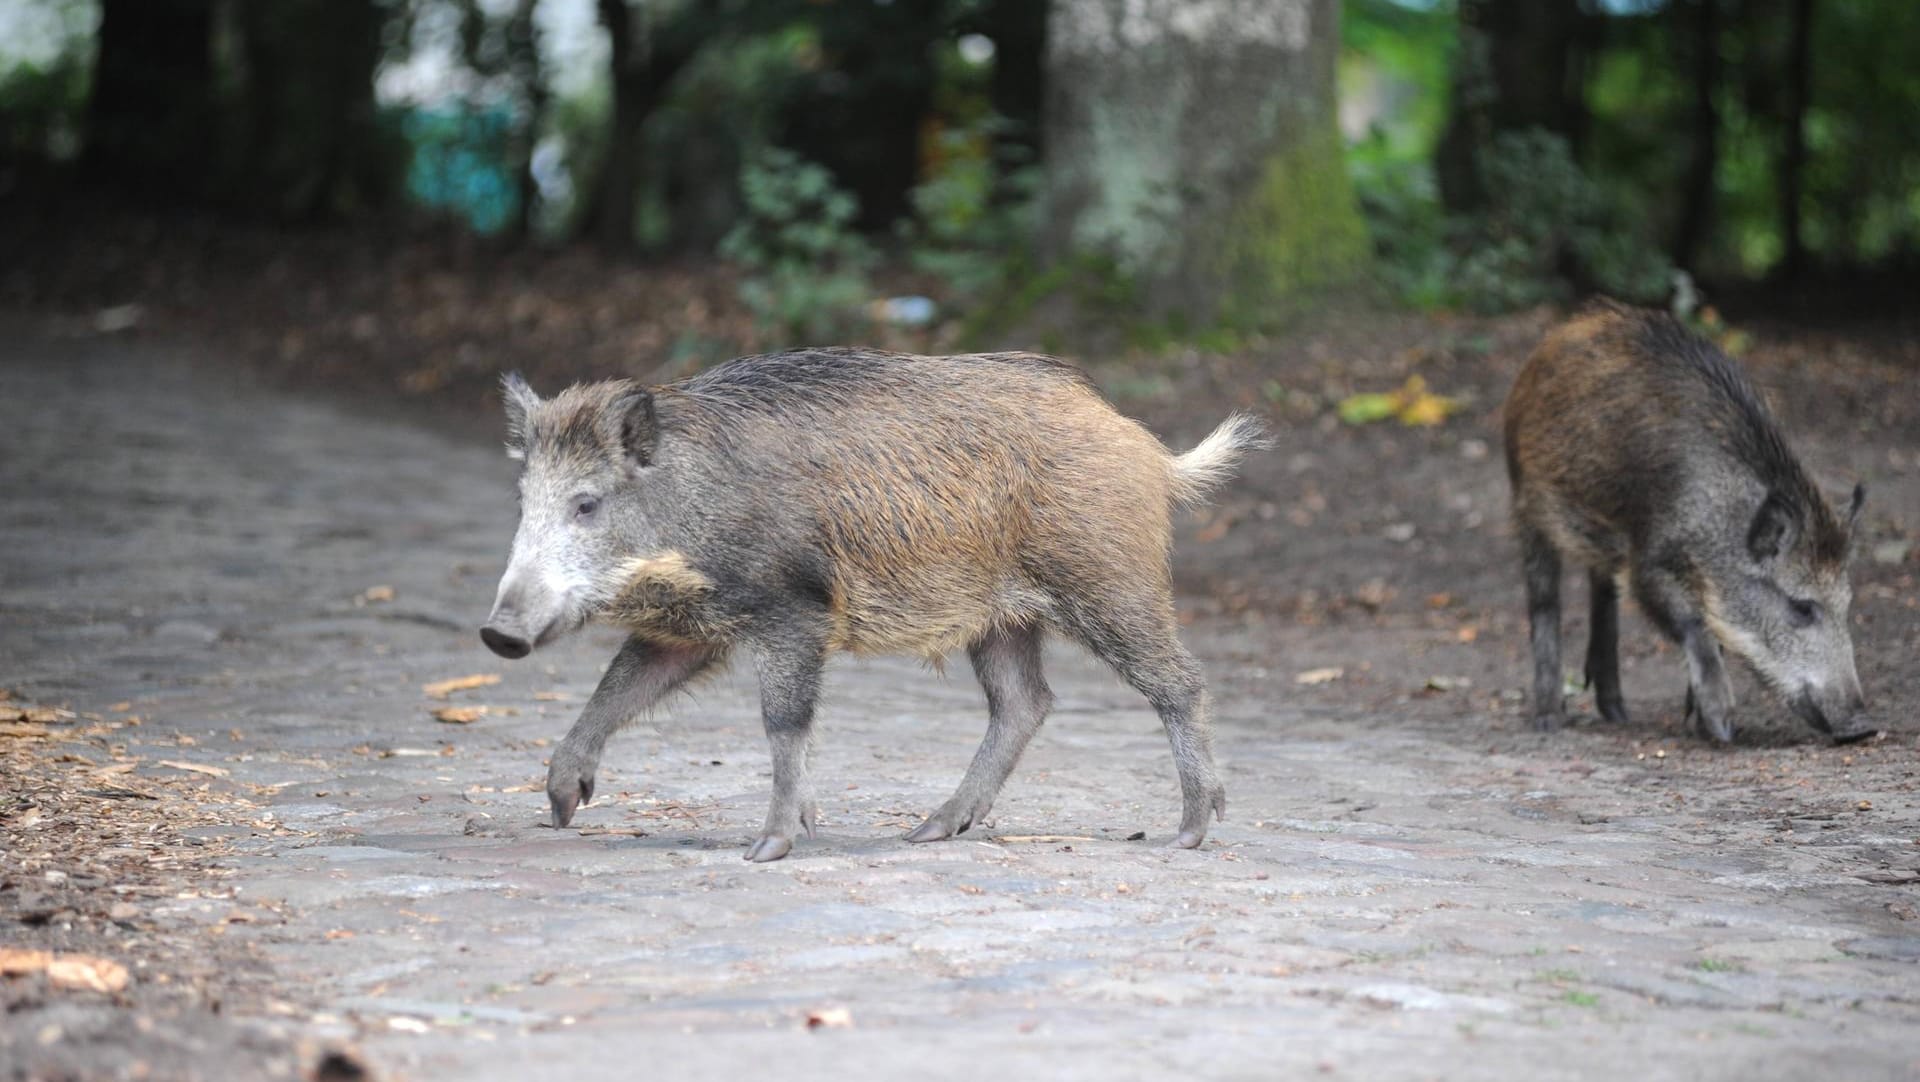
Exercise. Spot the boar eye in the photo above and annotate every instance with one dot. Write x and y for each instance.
(1804, 613)
(585, 506)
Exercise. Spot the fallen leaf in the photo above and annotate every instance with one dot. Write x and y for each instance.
(70, 972)
(552, 696)
(1320, 676)
(1412, 404)
(377, 593)
(197, 768)
(1016, 838)
(1215, 530)
(442, 688)
(22, 730)
(459, 715)
(829, 1018)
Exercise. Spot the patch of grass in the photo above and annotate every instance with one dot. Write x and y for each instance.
(1752, 1030)
(1558, 976)
(1718, 965)
(1581, 999)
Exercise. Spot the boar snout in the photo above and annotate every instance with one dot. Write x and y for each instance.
(1841, 712)
(527, 613)
(507, 643)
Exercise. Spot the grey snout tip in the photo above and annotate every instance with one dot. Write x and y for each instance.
(505, 643)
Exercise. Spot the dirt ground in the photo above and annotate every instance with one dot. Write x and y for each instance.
(234, 588)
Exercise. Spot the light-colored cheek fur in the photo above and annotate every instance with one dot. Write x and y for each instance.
(1735, 639)
(664, 598)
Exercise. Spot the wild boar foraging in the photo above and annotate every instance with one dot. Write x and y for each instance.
(800, 503)
(1642, 453)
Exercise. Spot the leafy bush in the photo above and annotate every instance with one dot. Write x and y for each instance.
(973, 217)
(806, 267)
(1548, 232)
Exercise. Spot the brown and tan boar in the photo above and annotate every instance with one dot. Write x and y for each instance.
(1640, 452)
(801, 503)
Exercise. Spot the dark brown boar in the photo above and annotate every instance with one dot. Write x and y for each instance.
(1641, 452)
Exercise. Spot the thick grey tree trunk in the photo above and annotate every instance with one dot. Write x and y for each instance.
(1195, 142)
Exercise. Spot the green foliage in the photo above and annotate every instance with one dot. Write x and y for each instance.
(806, 267)
(1400, 57)
(973, 219)
(41, 108)
(1548, 216)
(1551, 233)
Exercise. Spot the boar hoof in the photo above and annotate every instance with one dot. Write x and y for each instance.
(566, 799)
(1613, 710)
(1548, 721)
(941, 825)
(1713, 722)
(770, 847)
(1718, 729)
(1188, 839)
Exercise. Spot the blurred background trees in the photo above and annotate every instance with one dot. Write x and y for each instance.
(1200, 162)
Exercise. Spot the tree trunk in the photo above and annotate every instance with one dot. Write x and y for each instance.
(644, 61)
(1696, 214)
(1195, 142)
(523, 58)
(313, 150)
(150, 121)
(861, 113)
(1793, 157)
(1019, 32)
(1521, 65)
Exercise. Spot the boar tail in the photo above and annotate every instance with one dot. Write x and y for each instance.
(1198, 472)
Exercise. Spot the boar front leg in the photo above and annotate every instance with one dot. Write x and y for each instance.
(789, 685)
(1709, 689)
(641, 674)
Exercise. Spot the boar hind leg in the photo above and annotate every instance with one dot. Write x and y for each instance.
(1007, 661)
(1138, 640)
(1542, 565)
(789, 685)
(1709, 688)
(1603, 646)
(641, 674)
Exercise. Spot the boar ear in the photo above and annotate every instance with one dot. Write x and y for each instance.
(1853, 509)
(639, 431)
(1772, 529)
(520, 400)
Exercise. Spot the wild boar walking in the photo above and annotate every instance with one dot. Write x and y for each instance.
(801, 503)
(1641, 452)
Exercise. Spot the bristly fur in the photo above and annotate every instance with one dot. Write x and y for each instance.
(1643, 454)
(1612, 353)
(823, 500)
(1740, 418)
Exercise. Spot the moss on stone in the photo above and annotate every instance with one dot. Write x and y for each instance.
(1295, 231)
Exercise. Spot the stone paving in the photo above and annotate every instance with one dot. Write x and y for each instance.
(1388, 899)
